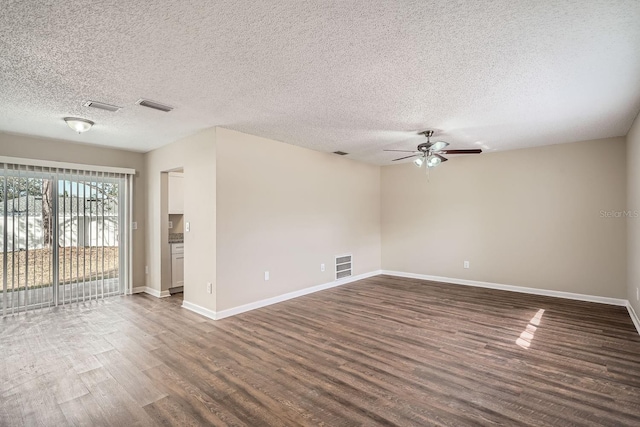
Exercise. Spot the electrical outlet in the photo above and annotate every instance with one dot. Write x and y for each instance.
(146, 269)
(170, 224)
(134, 225)
(466, 264)
(266, 275)
(187, 227)
(209, 288)
(321, 267)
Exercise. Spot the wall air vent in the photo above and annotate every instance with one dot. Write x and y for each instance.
(344, 266)
(154, 105)
(102, 106)
(340, 153)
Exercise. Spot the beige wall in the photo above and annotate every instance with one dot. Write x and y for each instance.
(12, 145)
(286, 210)
(196, 155)
(529, 217)
(633, 205)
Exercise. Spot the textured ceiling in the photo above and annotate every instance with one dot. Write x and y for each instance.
(356, 76)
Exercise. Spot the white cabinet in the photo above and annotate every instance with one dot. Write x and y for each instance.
(176, 193)
(177, 265)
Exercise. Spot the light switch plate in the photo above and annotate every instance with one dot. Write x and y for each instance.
(170, 224)
(187, 226)
(134, 225)
(266, 275)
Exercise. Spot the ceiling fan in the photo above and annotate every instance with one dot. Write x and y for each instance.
(430, 153)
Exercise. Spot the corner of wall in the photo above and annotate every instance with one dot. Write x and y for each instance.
(196, 155)
(633, 219)
(288, 210)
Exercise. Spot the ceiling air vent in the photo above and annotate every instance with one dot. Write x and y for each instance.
(340, 153)
(102, 106)
(344, 266)
(154, 105)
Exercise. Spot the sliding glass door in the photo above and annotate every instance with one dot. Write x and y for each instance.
(27, 252)
(89, 238)
(63, 234)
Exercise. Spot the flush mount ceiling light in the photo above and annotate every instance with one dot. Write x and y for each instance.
(78, 125)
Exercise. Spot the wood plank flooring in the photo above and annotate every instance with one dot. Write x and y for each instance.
(381, 351)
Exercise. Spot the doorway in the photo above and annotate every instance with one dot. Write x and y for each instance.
(63, 234)
(174, 225)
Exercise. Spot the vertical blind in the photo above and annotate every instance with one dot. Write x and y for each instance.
(65, 233)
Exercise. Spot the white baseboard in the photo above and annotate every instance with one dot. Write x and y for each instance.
(147, 290)
(634, 316)
(199, 309)
(290, 295)
(284, 297)
(273, 300)
(521, 289)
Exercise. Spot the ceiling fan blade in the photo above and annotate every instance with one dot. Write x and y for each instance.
(402, 158)
(439, 146)
(470, 151)
(403, 151)
(443, 159)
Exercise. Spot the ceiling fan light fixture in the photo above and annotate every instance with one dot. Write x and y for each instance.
(78, 125)
(433, 161)
(430, 154)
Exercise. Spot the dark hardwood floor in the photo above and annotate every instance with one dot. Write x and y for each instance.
(381, 351)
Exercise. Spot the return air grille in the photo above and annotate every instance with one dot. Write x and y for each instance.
(344, 266)
(154, 105)
(102, 106)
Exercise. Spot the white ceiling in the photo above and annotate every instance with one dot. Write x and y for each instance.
(356, 76)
